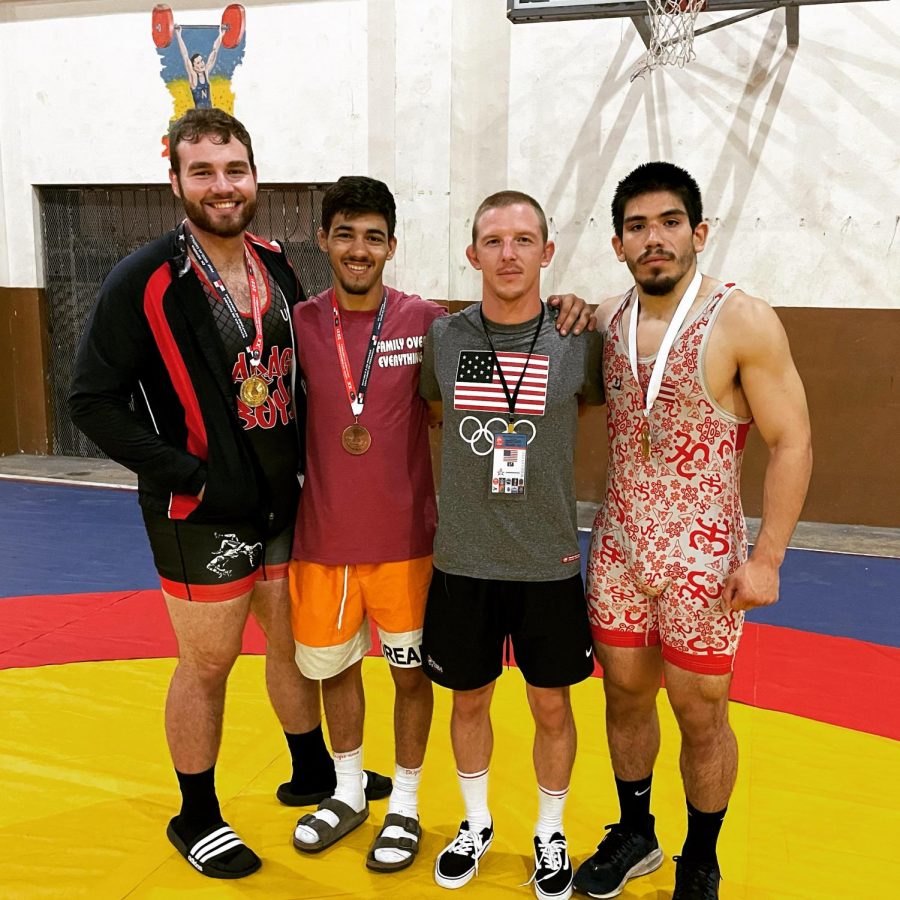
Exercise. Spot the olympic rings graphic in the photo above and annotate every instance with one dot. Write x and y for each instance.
(486, 433)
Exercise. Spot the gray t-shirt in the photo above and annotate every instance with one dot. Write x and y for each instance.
(508, 537)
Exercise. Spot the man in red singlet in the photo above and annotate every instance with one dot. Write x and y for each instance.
(690, 362)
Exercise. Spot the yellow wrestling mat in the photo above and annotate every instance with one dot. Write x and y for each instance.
(87, 791)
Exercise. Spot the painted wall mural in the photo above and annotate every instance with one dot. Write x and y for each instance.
(198, 61)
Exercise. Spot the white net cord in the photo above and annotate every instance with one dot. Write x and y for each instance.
(671, 33)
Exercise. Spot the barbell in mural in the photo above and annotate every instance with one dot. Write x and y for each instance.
(198, 72)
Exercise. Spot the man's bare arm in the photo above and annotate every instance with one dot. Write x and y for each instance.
(214, 53)
(188, 68)
(773, 389)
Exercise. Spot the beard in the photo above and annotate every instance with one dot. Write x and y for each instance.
(357, 288)
(660, 284)
(224, 227)
(359, 285)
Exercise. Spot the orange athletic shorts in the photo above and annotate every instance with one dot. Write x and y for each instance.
(330, 607)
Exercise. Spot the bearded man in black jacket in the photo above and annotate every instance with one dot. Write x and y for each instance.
(185, 374)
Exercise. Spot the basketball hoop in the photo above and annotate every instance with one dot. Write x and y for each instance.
(671, 33)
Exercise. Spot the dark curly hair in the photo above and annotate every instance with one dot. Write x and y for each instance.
(650, 178)
(354, 195)
(215, 124)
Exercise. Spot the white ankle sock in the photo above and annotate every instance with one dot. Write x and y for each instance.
(474, 788)
(550, 812)
(404, 802)
(348, 771)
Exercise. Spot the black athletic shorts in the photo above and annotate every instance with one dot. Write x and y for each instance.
(468, 622)
(215, 562)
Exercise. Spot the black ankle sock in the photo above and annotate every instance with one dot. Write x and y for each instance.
(199, 805)
(634, 801)
(312, 765)
(702, 834)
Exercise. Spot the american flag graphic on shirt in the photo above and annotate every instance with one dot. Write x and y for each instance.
(478, 386)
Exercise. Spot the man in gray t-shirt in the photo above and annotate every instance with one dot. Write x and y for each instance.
(507, 563)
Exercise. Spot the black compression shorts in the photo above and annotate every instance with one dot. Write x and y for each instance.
(215, 562)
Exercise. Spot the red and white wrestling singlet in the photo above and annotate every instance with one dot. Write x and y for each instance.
(671, 527)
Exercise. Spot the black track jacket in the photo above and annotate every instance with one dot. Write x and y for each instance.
(151, 336)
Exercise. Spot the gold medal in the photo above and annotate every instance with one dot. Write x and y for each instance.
(254, 391)
(356, 439)
(645, 441)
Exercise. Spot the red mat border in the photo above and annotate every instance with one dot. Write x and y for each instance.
(837, 680)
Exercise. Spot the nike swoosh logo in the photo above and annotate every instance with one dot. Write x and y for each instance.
(641, 793)
(588, 652)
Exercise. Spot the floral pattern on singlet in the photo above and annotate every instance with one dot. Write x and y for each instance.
(671, 527)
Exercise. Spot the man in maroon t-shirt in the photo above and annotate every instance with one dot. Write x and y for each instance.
(367, 516)
(362, 546)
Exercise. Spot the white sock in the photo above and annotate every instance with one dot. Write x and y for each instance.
(474, 788)
(349, 773)
(550, 812)
(404, 802)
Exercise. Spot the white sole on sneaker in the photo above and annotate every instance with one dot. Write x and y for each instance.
(650, 863)
(453, 883)
(563, 895)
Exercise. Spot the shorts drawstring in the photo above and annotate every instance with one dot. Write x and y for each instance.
(343, 600)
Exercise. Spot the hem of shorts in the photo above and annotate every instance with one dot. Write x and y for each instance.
(368, 561)
(443, 682)
(568, 682)
(717, 664)
(572, 569)
(360, 652)
(274, 572)
(625, 638)
(209, 593)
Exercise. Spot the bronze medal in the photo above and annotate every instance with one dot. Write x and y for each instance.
(356, 439)
(254, 391)
(645, 441)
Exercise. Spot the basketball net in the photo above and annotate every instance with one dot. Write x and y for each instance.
(671, 33)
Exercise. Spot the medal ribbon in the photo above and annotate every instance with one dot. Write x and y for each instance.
(511, 398)
(212, 277)
(662, 355)
(356, 397)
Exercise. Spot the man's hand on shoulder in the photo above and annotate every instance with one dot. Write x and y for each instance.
(574, 314)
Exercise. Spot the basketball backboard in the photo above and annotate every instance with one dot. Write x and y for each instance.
(558, 10)
(521, 11)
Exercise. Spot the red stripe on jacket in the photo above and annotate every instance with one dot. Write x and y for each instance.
(181, 505)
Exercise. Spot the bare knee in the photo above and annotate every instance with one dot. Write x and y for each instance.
(410, 682)
(209, 668)
(472, 706)
(551, 708)
(701, 710)
(631, 684)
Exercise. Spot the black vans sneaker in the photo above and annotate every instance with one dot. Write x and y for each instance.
(621, 855)
(457, 863)
(552, 869)
(696, 881)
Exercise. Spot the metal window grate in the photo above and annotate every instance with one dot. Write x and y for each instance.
(87, 230)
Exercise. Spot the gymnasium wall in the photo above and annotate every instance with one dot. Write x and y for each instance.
(796, 151)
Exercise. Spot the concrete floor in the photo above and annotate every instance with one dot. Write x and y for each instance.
(808, 535)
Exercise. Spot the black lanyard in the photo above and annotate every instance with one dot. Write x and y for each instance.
(511, 398)
(214, 280)
(357, 396)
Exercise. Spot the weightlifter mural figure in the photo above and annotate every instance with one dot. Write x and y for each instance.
(188, 59)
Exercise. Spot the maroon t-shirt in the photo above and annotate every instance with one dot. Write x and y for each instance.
(379, 506)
